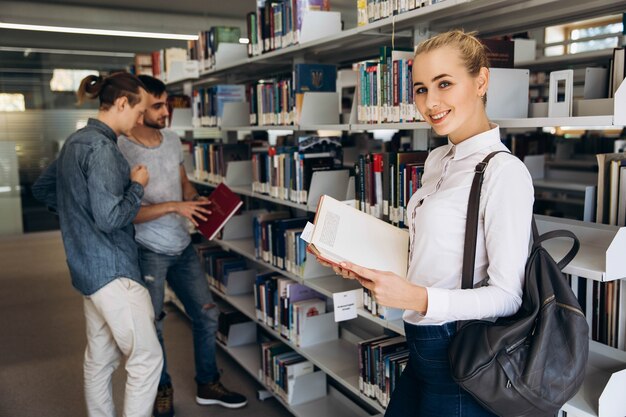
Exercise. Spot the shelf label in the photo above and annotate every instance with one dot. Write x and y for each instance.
(346, 304)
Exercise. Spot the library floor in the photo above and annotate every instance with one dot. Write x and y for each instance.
(43, 341)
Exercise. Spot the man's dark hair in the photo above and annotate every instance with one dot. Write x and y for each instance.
(153, 85)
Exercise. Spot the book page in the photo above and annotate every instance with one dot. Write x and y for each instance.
(343, 233)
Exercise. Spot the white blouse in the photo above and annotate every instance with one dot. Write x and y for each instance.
(436, 216)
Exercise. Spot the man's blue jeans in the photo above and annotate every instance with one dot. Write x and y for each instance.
(185, 276)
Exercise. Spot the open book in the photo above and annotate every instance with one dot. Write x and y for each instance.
(343, 233)
(225, 203)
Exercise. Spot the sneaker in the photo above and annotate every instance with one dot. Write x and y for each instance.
(164, 402)
(216, 393)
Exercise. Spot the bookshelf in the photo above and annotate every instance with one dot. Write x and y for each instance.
(489, 17)
(601, 245)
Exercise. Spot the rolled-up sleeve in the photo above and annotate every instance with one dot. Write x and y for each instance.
(115, 201)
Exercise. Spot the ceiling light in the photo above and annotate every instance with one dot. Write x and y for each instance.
(100, 32)
(28, 51)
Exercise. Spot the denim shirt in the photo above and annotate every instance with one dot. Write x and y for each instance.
(89, 186)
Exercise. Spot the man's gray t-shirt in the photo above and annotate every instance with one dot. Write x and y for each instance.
(168, 234)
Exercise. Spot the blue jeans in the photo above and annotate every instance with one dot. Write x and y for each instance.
(426, 387)
(185, 276)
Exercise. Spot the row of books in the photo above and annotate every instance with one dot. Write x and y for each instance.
(280, 366)
(158, 63)
(384, 183)
(381, 362)
(617, 70)
(602, 303)
(369, 11)
(385, 88)
(208, 103)
(228, 317)
(611, 190)
(203, 50)
(277, 240)
(211, 159)
(283, 304)
(272, 101)
(286, 172)
(276, 24)
(218, 264)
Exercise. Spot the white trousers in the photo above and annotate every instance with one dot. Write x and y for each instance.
(120, 321)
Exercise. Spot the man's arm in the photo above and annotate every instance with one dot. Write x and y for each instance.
(192, 210)
(45, 188)
(189, 191)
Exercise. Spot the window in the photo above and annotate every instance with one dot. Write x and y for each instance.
(584, 36)
(12, 102)
(68, 79)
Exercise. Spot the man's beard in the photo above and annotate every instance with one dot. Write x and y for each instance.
(155, 124)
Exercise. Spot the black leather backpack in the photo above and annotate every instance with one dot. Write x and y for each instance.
(531, 363)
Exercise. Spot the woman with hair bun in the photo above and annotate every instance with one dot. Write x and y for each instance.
(97, 196)
(450, 81)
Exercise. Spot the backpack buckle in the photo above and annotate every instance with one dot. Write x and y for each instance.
(480, 168)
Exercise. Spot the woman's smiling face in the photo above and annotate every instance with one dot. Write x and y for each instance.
(447, 95)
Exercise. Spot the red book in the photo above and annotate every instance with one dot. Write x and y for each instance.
(224, 203)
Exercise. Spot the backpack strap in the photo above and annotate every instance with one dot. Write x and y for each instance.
(471, 222)
(471, 228)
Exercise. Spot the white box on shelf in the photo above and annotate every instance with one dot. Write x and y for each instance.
(538, 110)
(319, 109)
(331, 183)
(240, 226)
(596, 83)
(602, 247)
(181, 117)
(556, 106)
(313, 269)
(228, 53)
(182, 70)
(307, 387)
(619, 106)
(507, 96)
(238, 173)
(593, 107)
(319, 24)
(318, 329)
(236, 114)
(240, 282)
(603, 390)
(241, 334)
(524, 50)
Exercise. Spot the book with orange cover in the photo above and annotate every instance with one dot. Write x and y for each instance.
(224, 203)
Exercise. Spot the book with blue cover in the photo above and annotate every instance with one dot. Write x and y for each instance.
(315, 78)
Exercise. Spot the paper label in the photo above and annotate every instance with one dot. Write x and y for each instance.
(346, 304)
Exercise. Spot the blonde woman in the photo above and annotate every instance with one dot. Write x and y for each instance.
(450, 81)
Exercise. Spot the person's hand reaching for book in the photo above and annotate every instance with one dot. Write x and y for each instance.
(387, 288)
(193, 210)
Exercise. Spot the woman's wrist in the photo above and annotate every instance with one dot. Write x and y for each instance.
(422, 299)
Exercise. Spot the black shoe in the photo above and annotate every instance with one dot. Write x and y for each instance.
(216, 393)
(164, 402)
